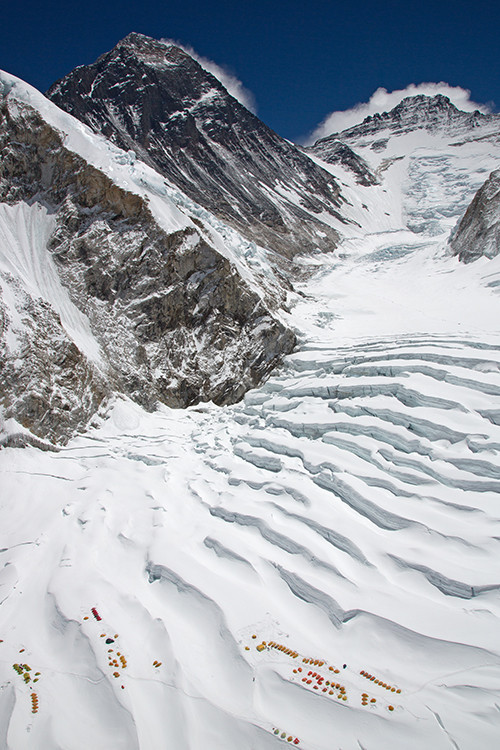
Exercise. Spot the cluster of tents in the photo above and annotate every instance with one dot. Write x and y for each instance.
(376, 681)
(287, 737)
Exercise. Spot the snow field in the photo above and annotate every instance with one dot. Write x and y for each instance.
(350, 523)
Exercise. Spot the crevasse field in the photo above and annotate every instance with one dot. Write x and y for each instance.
(347, 510)
(318, 565)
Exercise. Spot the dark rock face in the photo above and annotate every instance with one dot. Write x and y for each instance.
(154, 99)
(335, 152)
(47, 384)
(174, 320)
(478, 232)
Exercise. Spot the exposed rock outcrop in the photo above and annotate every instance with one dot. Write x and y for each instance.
(171, 319)
(478, 232)
(48, 385)
(335, 152)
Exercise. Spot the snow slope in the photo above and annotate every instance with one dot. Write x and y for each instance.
(24, 233)
(346, 511)
(429, 158)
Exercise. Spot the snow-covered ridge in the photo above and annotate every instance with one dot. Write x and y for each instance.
(98, 151)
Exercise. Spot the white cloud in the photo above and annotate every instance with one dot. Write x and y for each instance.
(228, 79)
(383, 101)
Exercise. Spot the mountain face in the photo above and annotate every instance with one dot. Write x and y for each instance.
(309, 557)
(155, 100)
(421, 112)
(187, 310)
(101, 296)
(425, 160)
(332, 151)
(478, 233)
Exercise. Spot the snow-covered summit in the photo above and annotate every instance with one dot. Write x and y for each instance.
(427, 158)
(420, 112)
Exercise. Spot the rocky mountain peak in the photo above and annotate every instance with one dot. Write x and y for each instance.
(145, 46)
(424, 105)
(421, 112)
(140, 50)
(133, 72)
(154, 99)
(429, 112)
(150, 51)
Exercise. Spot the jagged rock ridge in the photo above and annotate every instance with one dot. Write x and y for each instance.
(336, 152)
(153, 98)
(478, 232)
(421, 112)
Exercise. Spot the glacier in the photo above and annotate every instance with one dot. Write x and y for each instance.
(316, 565)
(346, 509)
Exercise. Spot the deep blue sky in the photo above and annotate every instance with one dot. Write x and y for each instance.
(301, 60)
